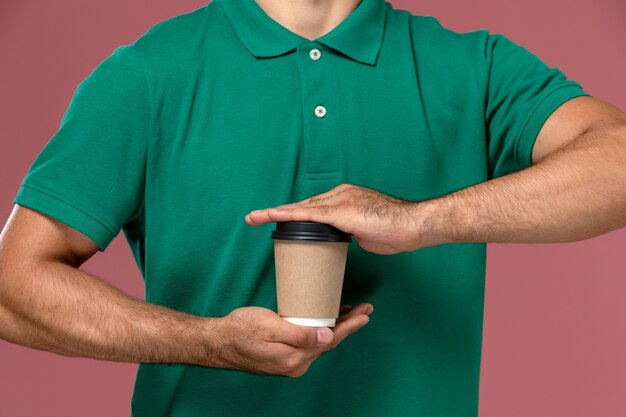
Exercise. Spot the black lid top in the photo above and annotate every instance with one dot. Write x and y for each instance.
(309, 231)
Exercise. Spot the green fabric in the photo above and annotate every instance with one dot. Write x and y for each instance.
(209, 115)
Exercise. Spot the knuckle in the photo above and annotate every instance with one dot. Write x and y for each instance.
(297, 373)
(293, 374)
(300, 371)
(271, 333)
(290, 364)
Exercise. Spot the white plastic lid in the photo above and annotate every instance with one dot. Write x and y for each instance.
(312, 321)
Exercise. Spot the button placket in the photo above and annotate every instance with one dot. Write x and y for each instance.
(322, 151)
(315, 54)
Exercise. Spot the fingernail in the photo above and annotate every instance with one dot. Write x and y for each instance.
(369, 310)
(367, 321)
(255, 211)
(323, 337)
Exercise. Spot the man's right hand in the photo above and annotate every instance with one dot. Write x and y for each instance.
(47, 302)
(258, 340)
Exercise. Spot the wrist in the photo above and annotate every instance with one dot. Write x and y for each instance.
(187, 339)
(435, 222)
(209, 343)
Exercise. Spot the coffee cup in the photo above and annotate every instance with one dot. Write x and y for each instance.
(310, 261)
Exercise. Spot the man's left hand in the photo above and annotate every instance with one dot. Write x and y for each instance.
(380, 223)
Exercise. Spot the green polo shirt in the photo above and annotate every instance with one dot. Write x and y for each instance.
(211, 114)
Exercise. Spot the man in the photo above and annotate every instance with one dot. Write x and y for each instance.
(410, 136)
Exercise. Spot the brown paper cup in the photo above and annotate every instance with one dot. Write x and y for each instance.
(309, 280)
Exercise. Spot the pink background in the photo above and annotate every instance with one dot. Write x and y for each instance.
(555, 315)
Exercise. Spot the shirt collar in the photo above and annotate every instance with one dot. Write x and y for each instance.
(359, 36)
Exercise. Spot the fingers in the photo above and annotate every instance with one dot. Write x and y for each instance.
(287, 214)
(309, 348)
(314, 209)
(257, 217)
(344, 309)
(266, 343)
(349, 323)
(363, 308)
(300, 336)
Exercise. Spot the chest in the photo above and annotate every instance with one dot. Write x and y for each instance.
(262, 132)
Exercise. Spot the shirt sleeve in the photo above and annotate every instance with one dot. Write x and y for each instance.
(91, 173)
(522, 93)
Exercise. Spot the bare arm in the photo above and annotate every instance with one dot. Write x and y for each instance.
(575, 190)
(47, 302)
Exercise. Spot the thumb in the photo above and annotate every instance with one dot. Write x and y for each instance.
(302, 336)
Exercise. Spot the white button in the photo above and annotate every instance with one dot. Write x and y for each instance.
(315, 54)
(320, 111)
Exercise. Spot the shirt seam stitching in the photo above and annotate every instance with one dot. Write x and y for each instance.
(524, 128)
(97, 219)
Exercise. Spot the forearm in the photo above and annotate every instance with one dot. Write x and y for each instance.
(53, 306)
(574, 193)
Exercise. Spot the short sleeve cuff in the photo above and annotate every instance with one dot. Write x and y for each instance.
(55, 207)
(526, 140)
